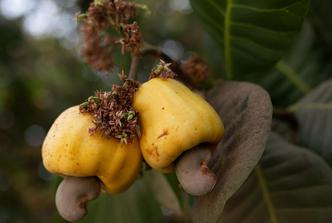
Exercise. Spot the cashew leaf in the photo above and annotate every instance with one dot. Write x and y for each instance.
(314, 114)
(252, 34)
(304, 67)
(321, 17)
(290, 185)
(246, 111)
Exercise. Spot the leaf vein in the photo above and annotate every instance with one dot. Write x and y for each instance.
(303, 209)
(227, 40)
(311, 106)
(209, 20)
(216, 6)
(293, 77)
(248, 25)
(300, 189)
(252, 8)
(265, 192)
(263, 48)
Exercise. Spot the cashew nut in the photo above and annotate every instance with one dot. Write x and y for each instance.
(193, 173)
(73, 194)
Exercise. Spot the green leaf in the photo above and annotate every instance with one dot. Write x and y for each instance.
(314, 114)
(246, 111)
(291, 185)
(321, 18)
(253, 34)
(305, 66)
(136, 205)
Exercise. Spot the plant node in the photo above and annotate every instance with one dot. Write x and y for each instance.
(113, 113)
(162, 70)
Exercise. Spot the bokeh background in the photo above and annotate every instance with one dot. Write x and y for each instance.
(42, 73)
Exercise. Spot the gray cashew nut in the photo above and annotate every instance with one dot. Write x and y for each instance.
(193, 173)
(73, 194)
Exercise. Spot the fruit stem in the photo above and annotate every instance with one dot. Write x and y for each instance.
(150, 50)
(133, 66)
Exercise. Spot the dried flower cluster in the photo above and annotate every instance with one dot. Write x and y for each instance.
(98, 48)
(106, 13)
(112, 112)
(131, 41)
(101, 17)
(162, 70)
(195, 68)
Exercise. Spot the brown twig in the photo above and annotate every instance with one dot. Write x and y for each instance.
(156, 52)
(149, 50)
(133, 66)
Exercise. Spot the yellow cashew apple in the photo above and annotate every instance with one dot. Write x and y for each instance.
(173, 119)
(70, 150)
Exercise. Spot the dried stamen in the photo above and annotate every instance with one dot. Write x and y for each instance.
(162, 70)
(112, 112)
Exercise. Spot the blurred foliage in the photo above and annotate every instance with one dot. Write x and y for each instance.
(40, 76)
(279, 189)
(38, 79)
(286, 197)
(322, 20)
(137, 205)
(301, 70)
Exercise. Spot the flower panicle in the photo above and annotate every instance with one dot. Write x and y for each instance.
(100, 18)
(112, 112)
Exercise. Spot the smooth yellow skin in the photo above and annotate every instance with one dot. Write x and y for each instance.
(69, 149)
(173, 120)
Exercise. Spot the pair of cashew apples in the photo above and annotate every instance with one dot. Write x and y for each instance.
(173, 119)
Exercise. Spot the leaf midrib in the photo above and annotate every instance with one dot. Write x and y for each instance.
(310, 106)
(266, 196)
(227, 39)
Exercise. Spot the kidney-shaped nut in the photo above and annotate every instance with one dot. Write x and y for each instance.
(70, 150)
(73, 194)
(193, 173)
(173, 119)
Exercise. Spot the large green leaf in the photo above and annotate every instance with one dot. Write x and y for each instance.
(291, 185)
(246, 111)
(314, 114)
(321, 17)
(136, 205)
(253, 34)
(305, 66)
